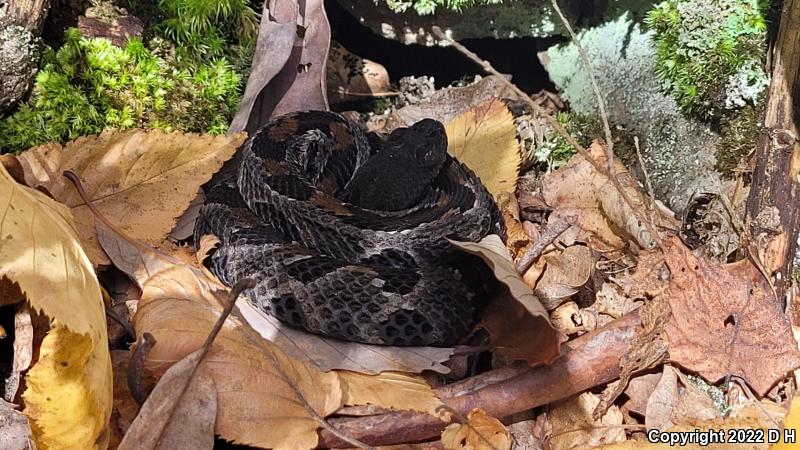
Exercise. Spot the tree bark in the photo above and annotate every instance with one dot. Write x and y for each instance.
(773, 211)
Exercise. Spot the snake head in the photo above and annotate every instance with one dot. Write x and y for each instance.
(425, 142)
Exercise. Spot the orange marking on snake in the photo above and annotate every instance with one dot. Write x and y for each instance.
(283, 130)
(342, 138)
(329, 203)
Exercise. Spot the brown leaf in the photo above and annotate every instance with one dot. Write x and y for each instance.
(180, 411)
(125, 407)
(481, 432)
(288, 70)
(516, 321)
(726, 320)
(484, 138)
(603, 216)
(574, 427)
(639, 391)
(265, 397)
(566, 271)
(329, 354)
(662, 401)
(140, 180)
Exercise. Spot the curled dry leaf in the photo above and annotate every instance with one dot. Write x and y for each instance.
(726, 320)
(517, 323)
(266, 398)
(288, 70)
(141, 180)
(68, 395)
(481, 432)
(573, 425)
(485, 139)
(566, 271)
(603, 216)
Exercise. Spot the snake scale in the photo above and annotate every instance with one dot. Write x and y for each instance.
(344, 231)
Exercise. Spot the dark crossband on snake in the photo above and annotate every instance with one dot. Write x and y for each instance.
(346, 232)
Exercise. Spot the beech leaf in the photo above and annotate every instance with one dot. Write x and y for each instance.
(68, 394)
(141, 180)
(485, 139)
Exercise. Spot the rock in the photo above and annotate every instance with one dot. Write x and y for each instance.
(679, 153)
(118, 30)
(351, 77)
(19, 61)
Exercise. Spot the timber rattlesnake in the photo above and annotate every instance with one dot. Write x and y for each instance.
(345, 232)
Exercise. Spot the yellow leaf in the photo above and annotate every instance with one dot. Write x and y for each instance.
(485, 139)
(68, 396)
(140, 180)
(792, 423)
(482, 432)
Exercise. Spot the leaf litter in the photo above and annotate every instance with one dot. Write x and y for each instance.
(630, 298)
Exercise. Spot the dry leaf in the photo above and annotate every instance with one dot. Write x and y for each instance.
(639, 391)
(125, 407)
(140, 180)
(517, 323)
(68, 395)
(485, 139)
(566, 271)
(726, 320)
(791, 423)
(605, 219)
(328, 354)
(481, 432)
(574, 427)
(179, 413)
(288, 70)
(265, 397)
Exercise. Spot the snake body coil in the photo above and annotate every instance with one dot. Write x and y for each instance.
(345, 232)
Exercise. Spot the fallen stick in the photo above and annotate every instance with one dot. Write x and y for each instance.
(588, 361)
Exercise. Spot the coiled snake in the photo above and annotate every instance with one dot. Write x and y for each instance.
(345, 231)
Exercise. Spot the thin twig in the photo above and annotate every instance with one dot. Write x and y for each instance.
(549, 235)
(650, 191)
(601, 103)
(553, 123)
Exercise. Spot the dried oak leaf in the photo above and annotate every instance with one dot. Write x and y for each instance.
(485, 139)
(517, 323)
(142, 180)
(604, 218)
(266, 398)
(726, 320)
(68, 394)
(481, 432)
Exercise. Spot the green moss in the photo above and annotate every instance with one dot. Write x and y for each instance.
(708, 53)
(90, 84)
(208, 28)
